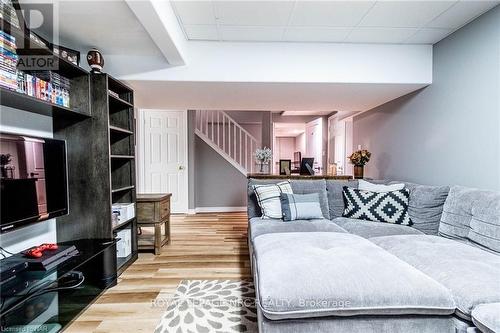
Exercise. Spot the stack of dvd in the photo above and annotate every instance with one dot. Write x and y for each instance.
(54, 88)
(8, 13)
(8, 61)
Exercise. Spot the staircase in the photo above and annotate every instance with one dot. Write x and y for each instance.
(228, 138)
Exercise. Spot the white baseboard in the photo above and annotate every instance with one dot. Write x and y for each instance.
(219, 209)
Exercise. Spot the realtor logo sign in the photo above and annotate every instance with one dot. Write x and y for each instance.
(35, 52)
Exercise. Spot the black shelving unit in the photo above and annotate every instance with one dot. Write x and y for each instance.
(100, 145)
(113, 101)
(99, 131)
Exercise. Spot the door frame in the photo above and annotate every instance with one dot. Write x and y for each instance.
(141, 172)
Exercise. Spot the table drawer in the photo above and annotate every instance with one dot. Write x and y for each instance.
(164, 209)
(145, 211)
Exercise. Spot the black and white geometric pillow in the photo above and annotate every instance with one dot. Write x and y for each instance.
(390, 207)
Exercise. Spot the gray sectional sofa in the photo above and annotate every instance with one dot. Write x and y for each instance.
(336, 274)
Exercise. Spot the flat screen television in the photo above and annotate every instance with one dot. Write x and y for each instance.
(33, 179)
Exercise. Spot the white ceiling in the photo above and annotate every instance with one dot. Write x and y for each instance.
(265, 96)
(289, 129)
(108, 25)
(307, 113)
(406, 22)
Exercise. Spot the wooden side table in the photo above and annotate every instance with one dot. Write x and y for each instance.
(153, 210)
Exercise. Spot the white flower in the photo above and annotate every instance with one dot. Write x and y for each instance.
(263, 155)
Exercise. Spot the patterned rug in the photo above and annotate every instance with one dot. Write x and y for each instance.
(203, 306)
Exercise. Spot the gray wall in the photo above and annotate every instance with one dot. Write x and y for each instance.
(217, 183)
(448, 132)
(213, 182)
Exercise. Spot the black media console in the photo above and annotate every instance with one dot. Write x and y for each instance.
(48, 300)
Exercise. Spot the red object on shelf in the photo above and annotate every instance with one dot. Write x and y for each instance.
(37, 252)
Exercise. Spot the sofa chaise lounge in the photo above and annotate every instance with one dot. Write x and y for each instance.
(337, 274)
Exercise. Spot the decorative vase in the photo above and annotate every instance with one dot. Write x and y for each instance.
(95, 60)
(3, 170)
(358, 171)
(263, 167)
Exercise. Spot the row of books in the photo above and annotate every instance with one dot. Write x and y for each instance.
(8, 61)
(55, 89)
(45, 85)
(8, 13)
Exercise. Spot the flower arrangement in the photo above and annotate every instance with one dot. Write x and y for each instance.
(360, 157)
(5, 159)
(263, 155)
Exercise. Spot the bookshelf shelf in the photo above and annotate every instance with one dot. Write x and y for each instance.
(25, 102)
(122, 189)
(119, 130)
(122, 224)
(125, 157)
(118, 103)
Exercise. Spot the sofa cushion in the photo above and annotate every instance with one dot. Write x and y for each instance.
(364, 185)
(314, 274)
(472, 215)
(367, 229)
(389, 207)
(298, 187)
(300, 206)
(313, 186)
(426, 206)
(471, 274)
(258, 226)
(268, 198)
(487, 317)
(334, 188)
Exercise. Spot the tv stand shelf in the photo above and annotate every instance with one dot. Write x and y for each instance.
(96, 261)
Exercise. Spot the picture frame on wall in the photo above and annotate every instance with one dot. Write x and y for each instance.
(285, 167)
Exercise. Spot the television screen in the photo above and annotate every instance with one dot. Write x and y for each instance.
(33, 180)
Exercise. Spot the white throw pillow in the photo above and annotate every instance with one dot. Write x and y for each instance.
(268, 198)
(363, 185)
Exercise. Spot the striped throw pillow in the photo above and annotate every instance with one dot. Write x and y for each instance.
(300, 206)
(268, 198)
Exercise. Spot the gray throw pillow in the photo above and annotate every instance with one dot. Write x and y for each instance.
(300, 206)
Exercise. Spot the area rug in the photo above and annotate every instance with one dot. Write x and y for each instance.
(203, 306)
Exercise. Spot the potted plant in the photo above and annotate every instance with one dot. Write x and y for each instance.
(359, 159)
(263, 157)
(5, 159)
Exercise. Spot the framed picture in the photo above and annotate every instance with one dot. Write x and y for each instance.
(285, 167)
(68, 54)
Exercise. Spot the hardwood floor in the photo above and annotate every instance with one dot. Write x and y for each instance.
(203, 246)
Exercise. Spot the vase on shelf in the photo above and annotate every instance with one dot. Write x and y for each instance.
(358, 171)
(263, 167)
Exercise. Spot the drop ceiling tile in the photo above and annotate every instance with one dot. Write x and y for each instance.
(380, 35)
(251, 33)
(329, 13)
(201, 32)
(428, 36)
(316, 34)
(247, 13)
(194, 12)
(404, 14)
(461, 13)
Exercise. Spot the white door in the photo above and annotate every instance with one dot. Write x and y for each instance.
(314, 141)
(163, 155)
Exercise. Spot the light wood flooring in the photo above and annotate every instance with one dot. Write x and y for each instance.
(203, 246)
